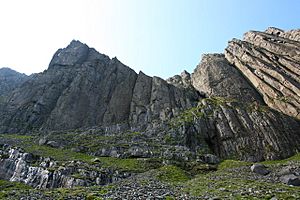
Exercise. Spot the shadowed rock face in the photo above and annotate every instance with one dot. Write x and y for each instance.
(9, 80)
(271, 61)
(75, 53)
(247, 131)
(83, 88)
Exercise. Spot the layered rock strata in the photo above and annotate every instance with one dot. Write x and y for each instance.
(270, 60)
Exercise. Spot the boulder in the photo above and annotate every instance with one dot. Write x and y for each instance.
(285, 171)
(42, 141)
(210, 159)
(260, 169)
(53, 144)
(290, 179)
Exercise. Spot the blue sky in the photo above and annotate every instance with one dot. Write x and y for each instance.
(159, 37)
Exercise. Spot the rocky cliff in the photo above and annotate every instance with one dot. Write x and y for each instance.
(9, 80)
(39, 172)
(270, 61)
(243, 104)
(235, 117)
(83, 88)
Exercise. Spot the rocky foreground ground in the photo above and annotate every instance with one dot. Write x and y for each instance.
(229, 179)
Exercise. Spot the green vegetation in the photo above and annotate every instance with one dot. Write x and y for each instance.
(250, 107)
(229, 164)
(88, 193)
(223, 186)
(187, 117)
(17, 138)
(58, 154)
(219, 101)
(28, 143)
(202, 110)
(129, 164)
(169, 198)
(7, 186)
(172, 174)
(233, 181)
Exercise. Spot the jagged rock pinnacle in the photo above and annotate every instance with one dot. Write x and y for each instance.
(75, 53)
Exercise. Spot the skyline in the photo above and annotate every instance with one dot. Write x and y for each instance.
(160, 38)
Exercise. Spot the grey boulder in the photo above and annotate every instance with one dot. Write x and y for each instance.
(260, 169)
(290, 179)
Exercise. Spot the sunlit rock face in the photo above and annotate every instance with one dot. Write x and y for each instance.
(17, 165)
(271, 62)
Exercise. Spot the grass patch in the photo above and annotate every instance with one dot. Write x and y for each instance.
(229, 164)
(218, 101)
(236, 188)
(226, 184)
(187, 116)
(28, 143)
(17, 136)
(6, 187)
(58, 154)
(130, 164)
(172, 174)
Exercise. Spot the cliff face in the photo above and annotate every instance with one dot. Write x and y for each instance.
(243, 104)
(236, 119)
(215, 76)
(83, 88)
(9, 80)
(271, 61)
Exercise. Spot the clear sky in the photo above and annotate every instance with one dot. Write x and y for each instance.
(159, 37)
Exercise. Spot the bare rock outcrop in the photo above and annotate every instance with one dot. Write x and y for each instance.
(155, 98)
(248, 131)
(235, 120)
(83, 88)
(215, 76)
(270, 60)
(9, 80)
(40, 172)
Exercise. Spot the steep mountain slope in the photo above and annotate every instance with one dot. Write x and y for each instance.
(271, 61)
(9, 80)
(236, 119)
(83, 88)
